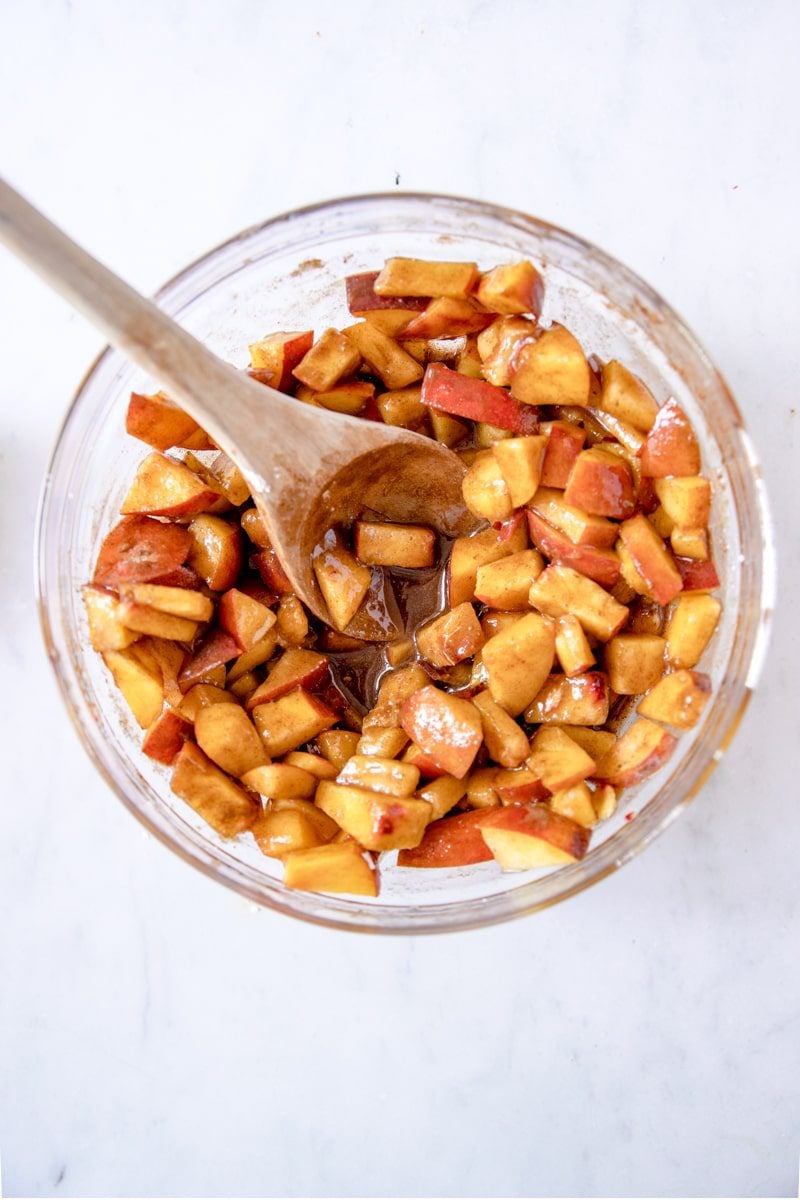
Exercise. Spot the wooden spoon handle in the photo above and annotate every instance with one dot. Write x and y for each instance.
(136, 326)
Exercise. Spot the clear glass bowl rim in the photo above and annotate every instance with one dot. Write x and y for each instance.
(678, 790)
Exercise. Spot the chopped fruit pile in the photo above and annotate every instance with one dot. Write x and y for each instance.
(496, 726)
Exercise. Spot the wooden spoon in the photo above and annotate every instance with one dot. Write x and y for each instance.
(307, 468)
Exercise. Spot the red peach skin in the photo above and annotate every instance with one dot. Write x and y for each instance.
(451, 842)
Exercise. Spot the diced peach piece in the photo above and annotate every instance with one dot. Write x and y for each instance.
(343, 581)
(312, 764)
(225, 805)
(576, 803)
(139, 549)
(448, 317)
(685, 499)
(481, 792)
(596, 742)
(165, 737)
(651, 558)
(281, 832)
(442, 794)
(690, 628)
(604, 799)
(487, 436)
(242, 687)
(258, 654)
(331, 357)
(678, 699)
(629, 441)
(689, 543)
(216, 552)
(384, 775)
(380, 544)
(200, 696)
(634, 662)
(598, 564)
(350, 398)
(526, 837)
(419, 277)
(277, 355)
(469, 553)
(662, 522)
(141, 688)
(164, 487)
(671, 446)
(216, 649)
(513, 288)
(450, 842)
(697, 576)
(625, 396)
(166, 657)
(485, 490)
(223, 476)
(269, 567)
(402, 408)
(158, 624)
(505, 741)
(551, 369)
(393, 321)
(160, 423)
(497, 347)
(446, 429)
(505, 584)
(560, 591)
(601, 483)
(296, 667)
(462, 396)
(382, 741)
(444, 727)
(377, 822)
(395, 688)
(292, 622)
(518, 661)
(572, 647)
(637, 754)
(244, 619)
(291, 721)
(340, 867)
(106, 630)
(325, 827)
(399, 652)
(386, 358)
(557, 760)
(427, 768)
(450, 638)
(253, 525)
(582, 700)
(281, 781)
(362, 297)
(520, 460)
(520, 786)
(227, 735)
(564, 444)
(581, 527)
(179, 602)
(630, 577)
(338, 746)
(495, 620)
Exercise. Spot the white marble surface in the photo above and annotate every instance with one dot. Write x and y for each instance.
(157, 1035)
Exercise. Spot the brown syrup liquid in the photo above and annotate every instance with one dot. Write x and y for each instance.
(415, 597)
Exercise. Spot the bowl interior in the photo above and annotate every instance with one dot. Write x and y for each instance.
(287, 274)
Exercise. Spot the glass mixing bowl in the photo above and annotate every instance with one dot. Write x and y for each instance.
(287, 274)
